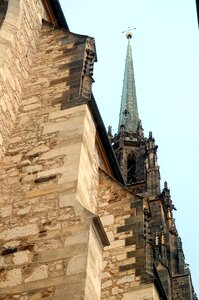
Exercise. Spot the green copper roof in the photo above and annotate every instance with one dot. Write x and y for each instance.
(128, 109)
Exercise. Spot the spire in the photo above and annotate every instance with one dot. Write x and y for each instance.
(128, 109)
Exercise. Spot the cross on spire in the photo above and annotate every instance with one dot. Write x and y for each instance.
(128, 32)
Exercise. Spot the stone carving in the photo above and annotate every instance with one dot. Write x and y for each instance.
(87, 79)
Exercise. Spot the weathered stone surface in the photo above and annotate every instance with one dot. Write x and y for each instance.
(50, 195)
(21, 257)
(76, 264)
(147, 292)
(40, 272)
(107, 220)
(10, 278)
(125, 279)
(76, 238)
(15, 38)
(16, 232)
(6, 211)
(118, 269)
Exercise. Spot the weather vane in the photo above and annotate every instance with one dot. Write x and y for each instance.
(128, 32)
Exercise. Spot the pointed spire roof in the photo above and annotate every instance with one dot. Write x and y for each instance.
(128, 109)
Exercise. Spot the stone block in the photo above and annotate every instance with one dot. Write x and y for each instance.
(19, 231)
(125, 279)
(10, 278)
(110, 236)
(12, 159)
(132, 240)
(75, 238)
(42, 207)
(107, 220)
(115, 244)
(6, 211)
(33, 168)
(31, 106)
(38, 150)
(21, 257)
(67, 200)
(23, 211)
(77, 264)
(106, 284)
(38, 273)
(127, 267)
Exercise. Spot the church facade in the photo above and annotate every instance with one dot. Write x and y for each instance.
(81, 211)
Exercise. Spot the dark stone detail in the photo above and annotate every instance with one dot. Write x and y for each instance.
(129, 221)
(35, 257)
(139, 271)
(71, 80)
(47, 292)
(42, 232)
(42, 179)
(1, 271)
(74, 95)
(72, 65)
(75, 85)
(26, 247)
(80, 42)
(75, 70)
(16, 249)
(33, 155)
(69, 51)
(58, 100)
(124, 228)
(47, 223)
(101, 232)
(59, 80)
(126, 267)
(130, 240)
(131, 254)
(68, 104)
(76, 77)
(8, 251)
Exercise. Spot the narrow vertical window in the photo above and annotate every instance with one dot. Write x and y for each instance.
(131, 169)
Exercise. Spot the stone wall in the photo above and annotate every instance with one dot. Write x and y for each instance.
(124, 260)
(18, 42)
(182, 286)
(51, 246)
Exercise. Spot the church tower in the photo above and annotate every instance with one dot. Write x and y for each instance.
(137, 155)
(75, 224)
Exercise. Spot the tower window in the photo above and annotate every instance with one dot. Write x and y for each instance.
(131, 169)
(126, 113)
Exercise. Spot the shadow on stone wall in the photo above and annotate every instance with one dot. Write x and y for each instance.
(3, 10)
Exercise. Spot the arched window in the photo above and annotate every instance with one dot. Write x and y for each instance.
(131, 169)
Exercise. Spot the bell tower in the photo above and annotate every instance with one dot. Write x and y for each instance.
(136, 154)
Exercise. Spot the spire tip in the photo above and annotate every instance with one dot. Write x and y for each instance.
(129, 35)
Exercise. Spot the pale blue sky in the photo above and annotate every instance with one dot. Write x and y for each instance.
(166, 64)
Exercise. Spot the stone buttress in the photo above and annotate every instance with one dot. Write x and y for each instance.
(51, 237)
